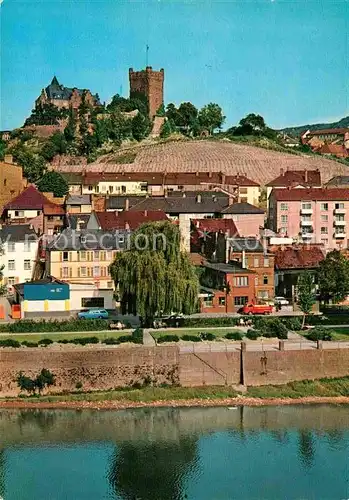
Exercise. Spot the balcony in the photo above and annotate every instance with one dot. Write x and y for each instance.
(339, 236)
(306, 211)
(307, 236)
(339, 223)
(340, 211)
(306, 223)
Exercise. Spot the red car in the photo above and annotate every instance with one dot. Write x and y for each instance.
(257, 309)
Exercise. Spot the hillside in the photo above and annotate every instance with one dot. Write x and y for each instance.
(257, 163)
(296, 131)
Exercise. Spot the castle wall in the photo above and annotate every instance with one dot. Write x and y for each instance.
(149, 83)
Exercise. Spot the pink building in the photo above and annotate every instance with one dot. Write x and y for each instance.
(311, 215)
(248, 218)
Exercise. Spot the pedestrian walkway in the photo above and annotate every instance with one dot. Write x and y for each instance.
(148, 339)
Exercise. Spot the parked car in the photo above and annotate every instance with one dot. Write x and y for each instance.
(281, 301)
(93, 314)
(256, 309)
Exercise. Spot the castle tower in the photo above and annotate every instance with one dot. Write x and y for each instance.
(149, 83)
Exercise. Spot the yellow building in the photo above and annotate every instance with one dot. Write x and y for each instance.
(12, 182)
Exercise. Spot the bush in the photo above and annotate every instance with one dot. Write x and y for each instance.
(111, 341)
(137, 336)
(126, 338)
(73, 325)
(202, 322)
(292, 323)
(320, 334)
(168, 338)
(253, 334)
(85, 340)
(29, 344)
(9, 343)
(275, 328)
(45, 342)
(44, 379)
(191, 338)
(234, 335)
(207, 336)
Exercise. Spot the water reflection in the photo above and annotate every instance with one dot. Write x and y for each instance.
(175, 454)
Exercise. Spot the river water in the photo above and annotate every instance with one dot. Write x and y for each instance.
(290, 452)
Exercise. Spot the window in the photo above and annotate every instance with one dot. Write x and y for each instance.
(109, 255)
(265, 279)
(324, 241)
(11, 265)
(241, 281)
(96, 272)
(111, 189)
(243, 190)
(324, 207)
(266, 262)
(11, 281)
(92, 302)
(240, 301)
(339, 205)
(263, 294)
(340, 218)
(306, 206)
(283, 230)
(110, 284)
(123, 189)
(83, 272)
(144, 187)
(38, 212)
(65, 272)
(27, 265)
(221, 301)
(324, 230)
(5, 182)
(96, 255)
(256, 262)
(284, 206)
(82, 255)
(340, 230)
(65, 256)
(208, 302)
(102, 256)
(121, 238)
(11, 246)
(19, 213)
(103, 272)
(306, 218)
(27, 246)
(284, 219)
(324, 218)
(90, 188)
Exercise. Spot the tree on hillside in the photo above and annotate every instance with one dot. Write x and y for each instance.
(154, 276)
(211, 117)
(305, 288)
(140, 126)
(2, 149)
(70, 129)
(46, 114)
(33, 165)
(188, 115)
(333, 276)
(53, 182)
(253, 124)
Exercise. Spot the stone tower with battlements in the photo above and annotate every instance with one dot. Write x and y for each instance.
(150, 84)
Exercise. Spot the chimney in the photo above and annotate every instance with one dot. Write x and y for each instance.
(306, 175)
(227, 248)
(127, 204)
(210, 174)
(243, 259)
(198, 198)
(127, 226)
(145, 213)
(282, 172)
(8, 159)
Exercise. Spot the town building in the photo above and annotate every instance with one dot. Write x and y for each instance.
(226, 288)
(251, 254)
(311, 215)
(150, 85)
(290, 262)
(338, 150)
(295, 179)
(65, 97)
(240, 187)
(84, 257)
(53, 219)
(19, 247)
(27, 205)
(127, 220)
(11, 180)
(76, 204)
(339, 181)
(326, 136)
(248, 218)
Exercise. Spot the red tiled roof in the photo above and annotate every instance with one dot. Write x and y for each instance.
(297, 256)
(311, 194)
(119, 220)
(52, 209)
(171, 178)
(29, 199)
(297, 177)
(334, 149)
(327, 131)
(216, 226)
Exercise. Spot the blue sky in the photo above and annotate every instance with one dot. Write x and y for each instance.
(287, 60)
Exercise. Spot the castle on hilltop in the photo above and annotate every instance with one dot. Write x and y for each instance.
(65, 97)
(150, 84)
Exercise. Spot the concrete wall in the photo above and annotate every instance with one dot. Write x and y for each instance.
(98, 368)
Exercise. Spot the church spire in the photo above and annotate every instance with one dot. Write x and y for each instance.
(55, 81)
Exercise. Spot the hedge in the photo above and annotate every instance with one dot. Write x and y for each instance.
(43, 326)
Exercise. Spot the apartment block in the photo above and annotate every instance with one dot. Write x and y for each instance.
(311, 215)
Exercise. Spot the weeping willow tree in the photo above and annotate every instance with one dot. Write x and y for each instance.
(154, 276)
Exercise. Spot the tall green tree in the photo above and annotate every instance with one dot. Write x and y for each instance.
(70, 129)
(333, 276)
(33, 165)
(211, 117)
(53, 182)
(154, 276)
(140, 126)
(2, 149)
(305, 286)
(46, 114)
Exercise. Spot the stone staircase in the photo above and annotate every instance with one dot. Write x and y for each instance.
(157, 124)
